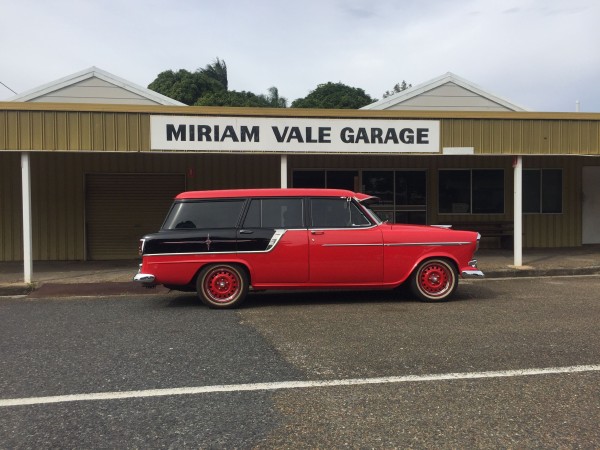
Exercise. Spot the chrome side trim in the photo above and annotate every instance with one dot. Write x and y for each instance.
(427, 244)
(352, 245)
(274, 240)
(344, 228)
(196, 253)
(144, 278)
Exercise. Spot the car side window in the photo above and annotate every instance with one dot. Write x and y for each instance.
(286, 213)
(204, 214)
(336, 213)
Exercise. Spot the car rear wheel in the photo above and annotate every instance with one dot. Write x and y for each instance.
(434, 280)
(222, 285)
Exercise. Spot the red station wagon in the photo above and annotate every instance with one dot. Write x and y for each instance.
(223, 243)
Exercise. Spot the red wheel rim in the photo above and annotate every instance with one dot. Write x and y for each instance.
(222, 285)
(435, 279)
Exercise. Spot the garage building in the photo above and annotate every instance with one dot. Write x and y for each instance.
(90, 163)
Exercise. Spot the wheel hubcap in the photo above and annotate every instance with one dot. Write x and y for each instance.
(435, 279)
(222, 285)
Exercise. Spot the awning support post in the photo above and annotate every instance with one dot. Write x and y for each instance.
(27, 234)
(518, 211)
(284, 171)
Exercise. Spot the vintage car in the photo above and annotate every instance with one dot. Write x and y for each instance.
(223, 243)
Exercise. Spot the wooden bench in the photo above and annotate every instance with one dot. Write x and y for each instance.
(500, 232)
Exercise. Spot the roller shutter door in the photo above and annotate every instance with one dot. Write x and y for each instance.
(121, 208)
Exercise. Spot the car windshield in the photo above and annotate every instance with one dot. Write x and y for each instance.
(372, 214)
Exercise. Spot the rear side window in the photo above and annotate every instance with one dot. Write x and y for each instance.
(204, 214)
(275, 213)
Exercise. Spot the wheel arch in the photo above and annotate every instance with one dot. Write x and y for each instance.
(233, 261)
(444, 256)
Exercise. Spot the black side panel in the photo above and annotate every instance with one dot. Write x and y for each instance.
(191, 241)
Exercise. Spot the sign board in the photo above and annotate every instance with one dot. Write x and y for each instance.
(293, 135)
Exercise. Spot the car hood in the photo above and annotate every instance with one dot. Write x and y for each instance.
(440, 232)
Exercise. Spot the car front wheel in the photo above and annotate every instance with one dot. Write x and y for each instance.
(434, 280)
(222, 285)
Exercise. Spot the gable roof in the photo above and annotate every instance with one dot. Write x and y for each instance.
(465, 96)
(94, 85)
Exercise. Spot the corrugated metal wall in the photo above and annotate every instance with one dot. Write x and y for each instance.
(73, 131)
(11, 223)
(108, 128)
(58, 197)
(525, 137)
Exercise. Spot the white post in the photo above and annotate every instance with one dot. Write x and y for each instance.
(284, 171)
(26, 200)
(518, 211)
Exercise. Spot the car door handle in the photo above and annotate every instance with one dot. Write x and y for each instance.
(317, 232)
(246, 231)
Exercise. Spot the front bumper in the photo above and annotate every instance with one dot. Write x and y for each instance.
(473, 271)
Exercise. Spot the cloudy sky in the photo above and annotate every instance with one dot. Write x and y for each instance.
(543, 55)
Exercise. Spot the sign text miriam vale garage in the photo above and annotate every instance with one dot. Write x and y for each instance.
(293, 135)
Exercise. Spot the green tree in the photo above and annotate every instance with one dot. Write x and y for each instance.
(217, 71)
(398, 87)
(209, 87)
(243, 99)
(234, 98)
(185, 86)
(334, 95)
(274, 100)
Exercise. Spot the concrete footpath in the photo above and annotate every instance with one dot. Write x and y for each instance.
(90, 278)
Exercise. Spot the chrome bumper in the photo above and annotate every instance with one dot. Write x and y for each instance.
(144, 278)
(472, 273)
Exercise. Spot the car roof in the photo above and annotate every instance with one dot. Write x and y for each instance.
(290, 192)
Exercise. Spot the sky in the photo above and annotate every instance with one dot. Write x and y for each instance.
(542, 55)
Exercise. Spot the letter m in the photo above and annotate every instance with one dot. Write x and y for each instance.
(179, 134)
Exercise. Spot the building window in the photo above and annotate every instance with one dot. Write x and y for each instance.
(402, 194)
(477, 191)
(542, 191)
(332, 179)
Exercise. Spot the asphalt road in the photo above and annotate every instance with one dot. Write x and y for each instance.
(54, 347)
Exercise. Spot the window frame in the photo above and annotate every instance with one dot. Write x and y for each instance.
(471, 212)
(541, 190)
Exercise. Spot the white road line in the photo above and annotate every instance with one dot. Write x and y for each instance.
(293, 385)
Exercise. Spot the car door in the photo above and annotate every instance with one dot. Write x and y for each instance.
(345, 247)
(274, 240)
